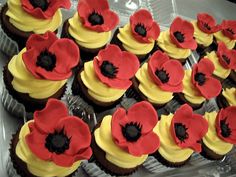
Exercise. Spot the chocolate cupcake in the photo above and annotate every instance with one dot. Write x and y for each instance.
(221, 135)
(91, 27)
(178, 41)
(227, 98)
(52, 144)
(139, 35)
(21, 18)
(40, 71)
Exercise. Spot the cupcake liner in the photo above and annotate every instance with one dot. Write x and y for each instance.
(198, 160)
(7, 45)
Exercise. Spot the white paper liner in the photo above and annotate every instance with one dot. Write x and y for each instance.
(7, 45)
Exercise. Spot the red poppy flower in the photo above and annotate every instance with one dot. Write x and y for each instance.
(229, 28)
(144, 28)
(166, 73)
(44, 9)
(132, 130)
(207, 23)
(114, 67)
(181, 34)
(188, 128)
(48, 57)
(202, 79)
(97, 16)
(227, 58)
(55, 136)
(226, 124)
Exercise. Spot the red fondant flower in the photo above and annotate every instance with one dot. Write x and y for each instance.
(55, 136)
(166, 73)
(48, 57)
(226, 124)
(132, 130)
(207, 23)
(97, 16)
(114, 67)
(188, 128)
(144, 28)
(181, 34)
(229, 28)
(44, 9)
(202, 79)
(227, 58)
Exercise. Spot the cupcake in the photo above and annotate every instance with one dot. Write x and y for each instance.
(91, 27)
(227, 98)
(21, 18)
(40, 71)
(121, 142)
(204, 28)
(178, 41)
(180, 135)
(103, 81)
(139, 35)
(199, 84)
(221, 135)
(224, 61)
(227, 33)
(157, 80)
(52, 144)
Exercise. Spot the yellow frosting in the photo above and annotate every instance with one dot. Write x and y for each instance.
(25, 82)
(131, 44)
(28, 23)
(85, 37)
(190, 92)
(219, 71)
(96, 88)
(211, 140)
(37, 166)
(221, 38)
(201, 37)
(114, 153)
(230, 95)
(164, 42)
(150, 89)
(168, 149)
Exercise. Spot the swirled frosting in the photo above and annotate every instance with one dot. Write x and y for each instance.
(230, 95)
(85, 37)
(27, 23)
(211, 140)
(150, 89)
(37, 166)
(220, 37)
(164, 42)
(201, 37)
(189, 91)
(96, 88)
(25, 82)
(131, 44)
(169, 149)
(219, 71)
(114, 154)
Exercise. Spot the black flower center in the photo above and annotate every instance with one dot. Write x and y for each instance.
(132, 131)
(141, 30)
(207, 26)
(226, 59)
(200, 78)
(46, 60)
(225, 129)
(95, 19)
(108, 69)
(230, 30)
(162, 75)
(181, 131)
(57, 142)
(179, 36)
(42, 4)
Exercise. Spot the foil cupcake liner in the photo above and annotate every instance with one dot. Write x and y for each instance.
(198, 160)
(93, 170)
(7, 45)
